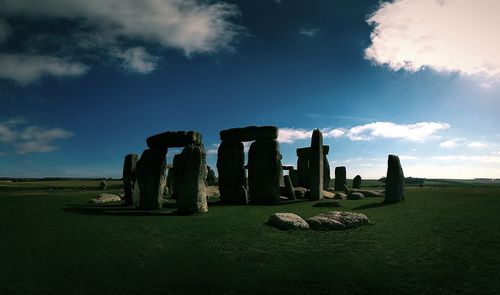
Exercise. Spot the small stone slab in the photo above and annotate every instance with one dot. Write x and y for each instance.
(340, 196)
(369, 193)
(105, 198)
(306, 151)
(337, 220)
(249, 133)
(174, 139)
(287, 221)
(300, 192)
(355, 196)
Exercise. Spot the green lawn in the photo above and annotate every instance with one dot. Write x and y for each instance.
(439, 241)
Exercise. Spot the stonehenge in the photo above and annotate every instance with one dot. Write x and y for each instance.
(340, 178)
(395, 181)
(265, 171)
(186, 179)
(356, 182)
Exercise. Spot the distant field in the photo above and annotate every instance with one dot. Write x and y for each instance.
(439, 241)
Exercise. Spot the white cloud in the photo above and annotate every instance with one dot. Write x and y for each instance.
(25, 69)
(452, 143)
(415, 132)
(477, 144)
(189, 25)
(4, 30)
(31, 139)
(309, 32)
(138, 60)
(447, 35)
(290, 135)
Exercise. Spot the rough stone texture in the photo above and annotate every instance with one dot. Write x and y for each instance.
(369, 193)
(264, 167)
(190, 177)
(232, 176)
(395, 181)
(337, 220)
(170, 179)
(105, 198)
(151, 178)
(340, 178)
(174, 139)
(249, 133)
(289, 191)
(340, 196)
(293, 176)
(129, 180)
(355, 196)
(287, 221)
(326, 171)
(211, 179)
(303, 172)
(328, 195)
(316, 166)
(346, 189)
(356, 182)
(300, 192)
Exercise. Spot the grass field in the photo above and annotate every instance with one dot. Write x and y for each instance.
(439, 241)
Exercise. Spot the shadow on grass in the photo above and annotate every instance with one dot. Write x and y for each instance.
(116, 211)
(373, 205)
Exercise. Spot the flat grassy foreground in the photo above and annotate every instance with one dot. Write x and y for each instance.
(439, 241)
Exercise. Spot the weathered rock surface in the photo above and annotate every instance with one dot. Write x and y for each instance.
(190, 176)
(287, 221)
(211, 179)
(300, 192)
(105, 198)
(369, 193)
(289, 191)
(355, 196)
(303, 172)
(337, 220)
(293, 177)
(264, 171)
(340, 196)
(326, 171)
(174, 139)
(328, 195)
(356, 182)
(151, 178)
(249, 133)
(316, 166)
(340, 178)
(395, 181)
(129, 180)
(232, 175)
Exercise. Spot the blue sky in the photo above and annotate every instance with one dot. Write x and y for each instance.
(82, 83)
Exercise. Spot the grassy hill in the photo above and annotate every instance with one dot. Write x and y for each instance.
(439, 241)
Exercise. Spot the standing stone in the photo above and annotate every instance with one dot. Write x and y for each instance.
(303, 169)
(151, 178)
(326, 168)
(293, 177)
(190, 176)
(340, 178)
(232, 176)
(395, 181)
(356, 182)
(170, 180)
(211, 179)
(289, 190)
(129, 180)
(316, 166)
(264, 168)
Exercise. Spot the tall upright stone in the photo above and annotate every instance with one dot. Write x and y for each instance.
(356, 182)
(129, 180)
(289, 190)
(326, 168)
(151, 169)
(340, 178)
(264, 169)
(395, 181)
(211, 179)
(293, 177)
(190, 175)
(232, 176)
(316, 166)
(303, 169)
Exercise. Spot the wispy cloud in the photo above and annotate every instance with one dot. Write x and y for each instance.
(30, 139)
(25, 69)
(291, 135)
(460, 142)
(441, 35)
(103, 28)
(309, 32)
(414, 132)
